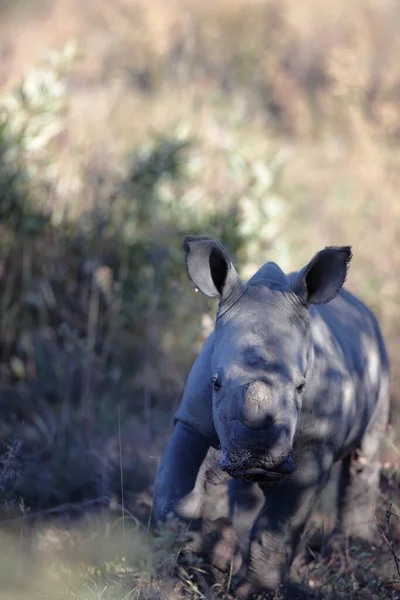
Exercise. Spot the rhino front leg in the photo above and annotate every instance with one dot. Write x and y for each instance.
(246, 500)
(176, 478)
(278, 529)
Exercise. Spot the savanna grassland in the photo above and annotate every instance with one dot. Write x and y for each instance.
(124, 125)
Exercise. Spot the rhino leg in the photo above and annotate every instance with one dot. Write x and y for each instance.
(358, 487)
(225, 541)
(246, 500)
(191, 485)
(175, 487)
(359, 480)
(278, 529)
(217, 542)
(212, 487)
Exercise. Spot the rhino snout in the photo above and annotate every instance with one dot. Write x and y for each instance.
(243, 464)
(259, 408)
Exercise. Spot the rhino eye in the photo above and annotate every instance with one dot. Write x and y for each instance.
(300, 388)
(216, 382)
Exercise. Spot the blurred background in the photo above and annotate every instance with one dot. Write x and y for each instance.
(271, 125)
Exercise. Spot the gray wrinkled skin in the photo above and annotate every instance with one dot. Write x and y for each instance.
(293, 380)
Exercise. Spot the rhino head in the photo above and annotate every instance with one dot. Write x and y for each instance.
(262, 352)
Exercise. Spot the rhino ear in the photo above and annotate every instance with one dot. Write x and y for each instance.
(323, 277)
(210, 269)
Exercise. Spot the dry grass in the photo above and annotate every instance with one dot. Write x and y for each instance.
(109, 553)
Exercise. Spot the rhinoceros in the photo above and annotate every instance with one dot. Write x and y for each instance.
(293, 380)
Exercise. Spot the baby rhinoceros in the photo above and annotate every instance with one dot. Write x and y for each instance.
(293, 380)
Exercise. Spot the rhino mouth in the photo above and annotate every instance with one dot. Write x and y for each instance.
(241, 466)
(259, 474)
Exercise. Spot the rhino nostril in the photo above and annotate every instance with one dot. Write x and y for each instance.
(269, 421)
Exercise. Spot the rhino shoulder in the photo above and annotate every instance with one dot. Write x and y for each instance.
(195, 408)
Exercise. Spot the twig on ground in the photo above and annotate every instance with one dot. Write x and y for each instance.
(388, 515)
(103, 501)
